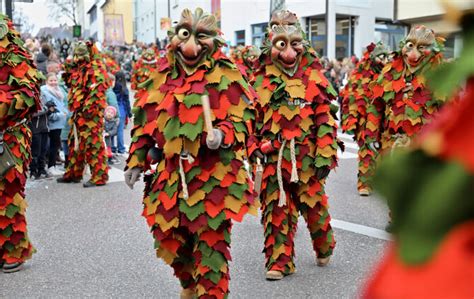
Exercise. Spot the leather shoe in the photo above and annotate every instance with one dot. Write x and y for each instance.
(91, 184)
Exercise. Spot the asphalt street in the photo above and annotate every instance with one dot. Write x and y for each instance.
(94, 243)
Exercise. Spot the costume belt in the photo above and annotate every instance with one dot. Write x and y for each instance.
(294, 174)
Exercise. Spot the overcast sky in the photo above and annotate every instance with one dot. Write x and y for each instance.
(38, 14)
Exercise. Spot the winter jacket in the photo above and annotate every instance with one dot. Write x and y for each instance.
(112, 100)
(123, 100)
(57, 119)
(111, 126)
(39, 121)
(41, 61)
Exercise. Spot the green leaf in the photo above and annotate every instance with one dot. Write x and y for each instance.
(322, 161)
(191, 212)
(192, 173)
(258, 81)
(12, 210)
(387, 96)
(191, 131)
(172, 128)
(192, 100)
(210, 184)
(214, 223)
(214, 261)
(226, 155)
(324, 130)
(237, 190)
(224, 84)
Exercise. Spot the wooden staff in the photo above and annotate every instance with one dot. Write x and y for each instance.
(206, 109)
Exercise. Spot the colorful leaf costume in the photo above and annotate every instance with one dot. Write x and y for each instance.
(144, 67)
(250, 61)
(433, 254)
(298, 134)
(195, 192)
(87, 80)
(402, 90)
(19, 98)
(110, 64)
(359, 116)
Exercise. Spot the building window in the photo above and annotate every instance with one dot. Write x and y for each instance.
(240, 37)
(390, 35)
(345, 36)
(93, 15)
(316, 32)
(258, 33)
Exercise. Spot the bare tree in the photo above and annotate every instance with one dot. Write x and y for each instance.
(63, 8)
(23, 22)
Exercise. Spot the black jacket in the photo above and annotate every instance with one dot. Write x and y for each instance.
(41, 61)
(39, 122)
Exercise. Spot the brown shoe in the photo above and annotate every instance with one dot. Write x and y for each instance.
(187, 294)
(274, 275)
(364, 192)
(323, 261)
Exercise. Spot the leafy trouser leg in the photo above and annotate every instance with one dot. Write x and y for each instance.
(367, 164)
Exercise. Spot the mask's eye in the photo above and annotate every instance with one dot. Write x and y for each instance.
(274, 26)
(202, 36)
(295, 43)
(410, 45)
(280, 44)
(421, 48)
(183, 33)
(381, 56)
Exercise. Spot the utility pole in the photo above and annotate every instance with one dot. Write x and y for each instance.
(9, 8)
(155, 16)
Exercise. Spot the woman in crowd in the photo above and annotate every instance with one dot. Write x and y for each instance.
(125, 111)
(53, 98)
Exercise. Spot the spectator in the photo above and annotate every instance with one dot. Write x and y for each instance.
(53, 97)
(124, 112)
(43, 57)
(111, 127)
(111, 97)
(39, 143)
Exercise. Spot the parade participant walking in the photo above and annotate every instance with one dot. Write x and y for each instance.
(18, 102)
(360, 117)
(250, 55)
(144, 67)
(433, 225)
(298, 129)
(200, 184)
(402, 91)
(87, 81)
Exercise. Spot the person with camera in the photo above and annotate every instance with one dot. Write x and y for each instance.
(53, 98)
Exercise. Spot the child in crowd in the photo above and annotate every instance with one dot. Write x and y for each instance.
(111, 126)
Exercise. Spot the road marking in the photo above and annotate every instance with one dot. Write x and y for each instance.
(346, 155)
(361, 229)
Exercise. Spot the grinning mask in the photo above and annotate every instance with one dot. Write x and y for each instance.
(379, 55)
(81, 52)
(418, 47)
(194, 39)
(285, 44)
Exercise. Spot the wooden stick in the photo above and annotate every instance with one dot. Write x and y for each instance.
(206, 109)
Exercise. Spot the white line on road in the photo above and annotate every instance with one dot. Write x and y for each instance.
(361, 229)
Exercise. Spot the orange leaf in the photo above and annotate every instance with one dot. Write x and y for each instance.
(167, 202)
(211, 237)
(398, 85)
(288, 134)
(171, 245)
(189, 115)
(212, 209)
(312, 91)
(224, 105)
(377, 91)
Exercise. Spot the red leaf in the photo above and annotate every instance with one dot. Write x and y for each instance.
(312, 91)
(189, 115)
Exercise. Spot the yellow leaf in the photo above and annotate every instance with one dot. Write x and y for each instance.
(264, 94)
(155, 96)
(173, 178)
(240, 137)
(191, 146)
(294, 82)
(162, 119)
(221, 171)
(158, 79)
(288, 113)
(3, 110)
(237, 110)
(386, 68)
(133, 162)
(315, 76)
(327, 151)
(388, 86)
(164, 224)
(196, 197)
(306, 175)
(166, 255)
(173, 147)
(275, 128)
(214, 76)
(306, 123)
(231, 203)
(296, 91)
(273, 70)
(268, 115)
(277, 251)
(371, 126)
(19, 201)
(150, 206)
(4, 42)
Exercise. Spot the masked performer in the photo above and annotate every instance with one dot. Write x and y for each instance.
(433, 223)
(401, 88)
(250, 55)
(144, 67)
(359, 117)
(298, 130)
(19, 99)
(87, 80)
(200, 184)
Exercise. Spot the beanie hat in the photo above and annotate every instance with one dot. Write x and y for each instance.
(111, 109)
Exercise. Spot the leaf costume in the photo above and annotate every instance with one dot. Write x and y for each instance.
(19, 99)
(296, 120)
(144, 67)
(360, 117)
(249, 62)
(433, 222)
(110, 64)
(401, 88)
(195, 193)
(87, 80)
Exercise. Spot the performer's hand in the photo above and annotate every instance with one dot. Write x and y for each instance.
(322, 172)
(131, 176)
(216, 141)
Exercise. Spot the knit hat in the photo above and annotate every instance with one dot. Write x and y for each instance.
(111, 109)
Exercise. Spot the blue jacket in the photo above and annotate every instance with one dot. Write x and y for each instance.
(56, 120)
(123, 101)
